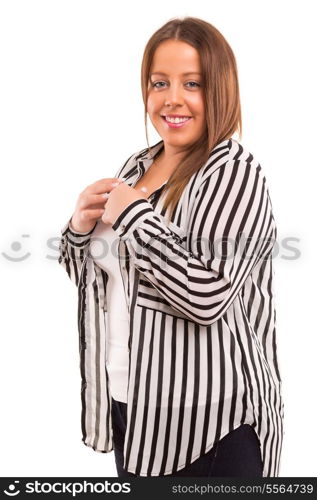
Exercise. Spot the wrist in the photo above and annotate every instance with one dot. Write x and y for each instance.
(80, 228)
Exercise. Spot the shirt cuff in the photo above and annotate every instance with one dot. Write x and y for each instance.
(76, 238)
(131, 217)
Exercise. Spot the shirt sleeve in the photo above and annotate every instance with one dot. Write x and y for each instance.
(73, 247)
(231, 229)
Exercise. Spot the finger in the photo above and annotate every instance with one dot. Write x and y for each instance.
(91, 214)
(96, 199)
(108, 187)
(97, 205)
(105, 218)
(104, 185)
(112, 186)
(88, 200)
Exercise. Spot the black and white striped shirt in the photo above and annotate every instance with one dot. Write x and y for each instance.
(200, 293)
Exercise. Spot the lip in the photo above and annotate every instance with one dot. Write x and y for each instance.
(176, 125)
(176, 116)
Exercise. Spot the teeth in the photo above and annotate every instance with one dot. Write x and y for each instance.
(176, 120)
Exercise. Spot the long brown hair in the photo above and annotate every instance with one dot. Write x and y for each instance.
(221, 94)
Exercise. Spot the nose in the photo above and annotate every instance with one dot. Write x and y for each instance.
(174, 95)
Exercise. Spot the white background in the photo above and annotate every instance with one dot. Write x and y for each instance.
(71, 113)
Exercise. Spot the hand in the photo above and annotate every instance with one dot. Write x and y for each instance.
(119, 198)
(90, 204)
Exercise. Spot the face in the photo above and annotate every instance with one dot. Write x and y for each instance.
(176, 90)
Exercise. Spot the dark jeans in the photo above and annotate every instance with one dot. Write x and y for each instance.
(237, 454)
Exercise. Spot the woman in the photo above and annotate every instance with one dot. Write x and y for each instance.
(177, 322)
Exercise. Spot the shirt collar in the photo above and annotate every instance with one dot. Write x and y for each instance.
(147, 156)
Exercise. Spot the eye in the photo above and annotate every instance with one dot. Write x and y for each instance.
(195, 84)
(154, 84)
(191, 84)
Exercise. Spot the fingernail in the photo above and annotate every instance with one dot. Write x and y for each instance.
(144, 189)
(105, 195)
(114, 184)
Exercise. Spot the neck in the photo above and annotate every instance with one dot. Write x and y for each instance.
(169, 157)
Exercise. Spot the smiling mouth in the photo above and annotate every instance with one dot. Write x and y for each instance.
(176, 122)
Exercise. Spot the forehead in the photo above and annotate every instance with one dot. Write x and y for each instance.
(173, 56)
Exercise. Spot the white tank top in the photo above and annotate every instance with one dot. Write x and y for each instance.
(104, 251)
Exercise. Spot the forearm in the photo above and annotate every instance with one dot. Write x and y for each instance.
(72, 250)
(231, 234)
(180, 276)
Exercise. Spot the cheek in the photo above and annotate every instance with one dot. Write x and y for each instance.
(153, 105)
(149, 106)
(198, 105)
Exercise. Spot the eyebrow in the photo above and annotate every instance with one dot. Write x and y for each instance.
(184, 74)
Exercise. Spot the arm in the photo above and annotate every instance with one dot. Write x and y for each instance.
(72, 250)
(232, 229)
(74, 245)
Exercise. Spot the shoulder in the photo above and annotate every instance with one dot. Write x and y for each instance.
(230, 155)
(232, 171)
(226, 153)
